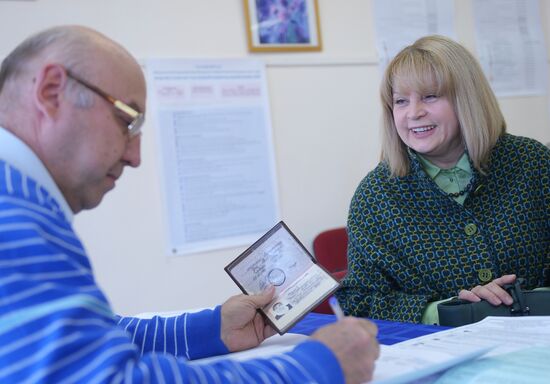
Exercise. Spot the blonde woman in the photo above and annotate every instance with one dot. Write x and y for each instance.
(456, 206)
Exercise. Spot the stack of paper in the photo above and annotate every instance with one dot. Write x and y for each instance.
(518, 350)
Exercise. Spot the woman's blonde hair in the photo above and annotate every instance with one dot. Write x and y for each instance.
(437, 61)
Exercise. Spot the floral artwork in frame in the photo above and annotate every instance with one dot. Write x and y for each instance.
(282, 25)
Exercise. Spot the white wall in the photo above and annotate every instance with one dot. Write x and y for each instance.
(325, 117)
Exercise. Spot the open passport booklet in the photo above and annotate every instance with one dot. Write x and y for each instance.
(279, 259)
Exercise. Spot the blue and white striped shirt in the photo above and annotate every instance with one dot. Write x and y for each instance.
(57, 326)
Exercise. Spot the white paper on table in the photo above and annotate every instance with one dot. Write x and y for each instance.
(528, 365)
(488, 344)
(521, 352)
(506, 334)
(395, 365)
(272, 346)
(404, 364)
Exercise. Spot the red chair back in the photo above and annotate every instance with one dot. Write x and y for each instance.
(330, 248)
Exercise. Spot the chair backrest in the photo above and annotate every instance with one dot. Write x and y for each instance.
(330, 248)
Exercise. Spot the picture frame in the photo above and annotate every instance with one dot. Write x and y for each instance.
(282, 25)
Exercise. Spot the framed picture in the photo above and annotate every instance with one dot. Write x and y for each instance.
(282, 25)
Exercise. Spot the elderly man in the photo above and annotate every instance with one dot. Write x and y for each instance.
(71, 109)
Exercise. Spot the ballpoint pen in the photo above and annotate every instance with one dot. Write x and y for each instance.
(335, 306)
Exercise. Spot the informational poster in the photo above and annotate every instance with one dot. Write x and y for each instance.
(216, 152)
(399, 23)
(511, 47)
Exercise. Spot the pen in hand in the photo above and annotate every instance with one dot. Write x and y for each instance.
(335, 306)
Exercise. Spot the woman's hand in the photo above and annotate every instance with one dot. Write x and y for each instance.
(492, 292)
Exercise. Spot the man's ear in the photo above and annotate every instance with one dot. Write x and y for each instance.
(48, 89)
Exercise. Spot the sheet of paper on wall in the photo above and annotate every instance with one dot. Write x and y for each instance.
(279, 259)
(216, 152)
(511, 47)
(398, 23)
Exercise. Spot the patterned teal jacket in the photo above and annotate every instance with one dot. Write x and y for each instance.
(410, 243)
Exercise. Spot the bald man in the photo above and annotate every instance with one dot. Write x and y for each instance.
(72, 104)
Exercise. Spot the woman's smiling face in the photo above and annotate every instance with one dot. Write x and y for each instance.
(427, 123)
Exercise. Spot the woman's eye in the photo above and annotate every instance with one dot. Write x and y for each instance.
(398, 101)
(430, 97)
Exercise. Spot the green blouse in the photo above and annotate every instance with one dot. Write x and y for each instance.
(450, 180)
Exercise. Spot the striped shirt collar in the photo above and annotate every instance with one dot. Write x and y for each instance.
(21, 156)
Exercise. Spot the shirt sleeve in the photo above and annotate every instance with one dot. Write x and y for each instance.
(189, 335)
(197, 335)
(431, 315)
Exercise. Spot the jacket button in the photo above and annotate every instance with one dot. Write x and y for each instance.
(485, 275)
(470, 229)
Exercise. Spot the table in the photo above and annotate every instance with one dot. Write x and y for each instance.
(389, 332)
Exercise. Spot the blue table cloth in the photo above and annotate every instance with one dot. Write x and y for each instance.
(389, 332)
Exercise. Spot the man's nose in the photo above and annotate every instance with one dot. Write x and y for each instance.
(132, 154)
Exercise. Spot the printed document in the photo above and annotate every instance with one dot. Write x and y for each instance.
(216, 152)
(518, 349)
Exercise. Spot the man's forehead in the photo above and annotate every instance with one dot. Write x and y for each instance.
(126, 81)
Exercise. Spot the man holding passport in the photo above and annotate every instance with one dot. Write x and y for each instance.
(72, 103)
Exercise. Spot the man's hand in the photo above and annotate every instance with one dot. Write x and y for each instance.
(242, 326)
(492, 292)
(354, 343)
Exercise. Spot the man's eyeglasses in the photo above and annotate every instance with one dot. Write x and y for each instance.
(137, 118)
